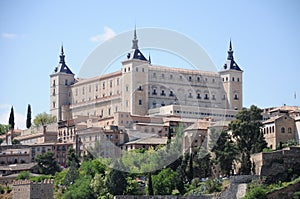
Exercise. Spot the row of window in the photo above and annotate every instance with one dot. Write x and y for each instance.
(267, 130)
(189, 78)
(190, 95)
(136, 69)
(232, 79)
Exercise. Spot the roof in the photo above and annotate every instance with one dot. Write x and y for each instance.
(18, 167)
(62, 66)
(149, 141)
(272, 119)
(136, 54)
(230, 63)
(202, 125)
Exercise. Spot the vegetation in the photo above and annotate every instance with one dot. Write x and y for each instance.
(42, 119)
(4, 128)
(47, 164)
(15, 142)
(249, 139)
(11, 120)
(24, 175)
(28, 119)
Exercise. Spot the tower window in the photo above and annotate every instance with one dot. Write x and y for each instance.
(198, 96)
(226, 79)
(206, 96)
(162, 93)
(103, 85)
(96, 87)
(236, 97)
(53, 92)
(171, 94)
(289, 130)
(53, 104)
(238, 79)
(53, 82)
(136, 69)
(108, 111)
(128, 69)
(154, 92)
(171, 76)
(190, 78)
(127, 88)
(140, 102)
(118, 82)
(124, 70)
(282, 130)
(198, 79)
(110, 84)
(140, 88)
(233, 79)
(66, 82)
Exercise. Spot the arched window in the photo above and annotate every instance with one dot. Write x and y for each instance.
(282, 130)
(289, 130)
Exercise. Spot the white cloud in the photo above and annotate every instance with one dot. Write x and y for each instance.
(20, 120)
(8, 35)
(108, 34)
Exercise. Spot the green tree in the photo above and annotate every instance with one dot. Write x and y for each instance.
(43, 119)
(28, 119)
(15, 142)
(150, 186)
(256, 193)
(164, 182)
(47, 164)
(4, 128)
(116, 182)
(72, 158)
(226, 152)
(246, 131)
(99, 188)
(81, 189)
(24, 175)
(11, 120)
(71, 175)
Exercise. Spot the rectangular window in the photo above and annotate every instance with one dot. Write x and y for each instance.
(66, 82)
(140, 102)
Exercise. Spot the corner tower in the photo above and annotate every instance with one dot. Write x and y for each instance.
(232, 77)
(60, 81)
(135, 81)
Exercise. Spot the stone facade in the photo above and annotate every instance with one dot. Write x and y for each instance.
(278, 130)
(140, 87)
(26, 189)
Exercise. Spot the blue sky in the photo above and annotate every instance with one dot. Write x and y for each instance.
(265, 36)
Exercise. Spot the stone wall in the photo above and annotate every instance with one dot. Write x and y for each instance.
(26, 189)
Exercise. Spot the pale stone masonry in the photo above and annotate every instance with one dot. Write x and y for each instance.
(141, 88)
(27, 189)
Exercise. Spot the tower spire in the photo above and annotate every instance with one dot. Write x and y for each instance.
(230, 52)
(135, 40)
(149, 60)
(62, 55)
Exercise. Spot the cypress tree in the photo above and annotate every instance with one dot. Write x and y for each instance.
(28, 120)
(11, 120)
(150, 187)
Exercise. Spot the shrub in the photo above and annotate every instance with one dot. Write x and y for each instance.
(256, 193)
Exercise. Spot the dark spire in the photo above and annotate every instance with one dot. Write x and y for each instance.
(62, 66)
(62, 55)
(230, 52)
(149, 60)
(135, 41)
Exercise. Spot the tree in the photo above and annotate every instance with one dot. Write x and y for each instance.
(28, 120)
(99, 188)
(15, 142)
(71, 175)
(164, 182)
(46, 163)
(116, 182)
(150, 186)
(72, 158)
(226, 152)
(4, 128)
(11, 120)
(246, 131)
(24, 175)
(43, 119)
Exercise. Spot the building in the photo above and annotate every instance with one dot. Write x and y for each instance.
(140, 88)
(26, 189)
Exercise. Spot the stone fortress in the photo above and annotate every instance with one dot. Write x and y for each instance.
(140, 88)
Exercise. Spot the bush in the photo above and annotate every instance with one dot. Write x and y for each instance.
(24, 175)
(256, 193)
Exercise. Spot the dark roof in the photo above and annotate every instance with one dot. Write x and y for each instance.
(230, 63)
(135, 53)
(62, 66)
